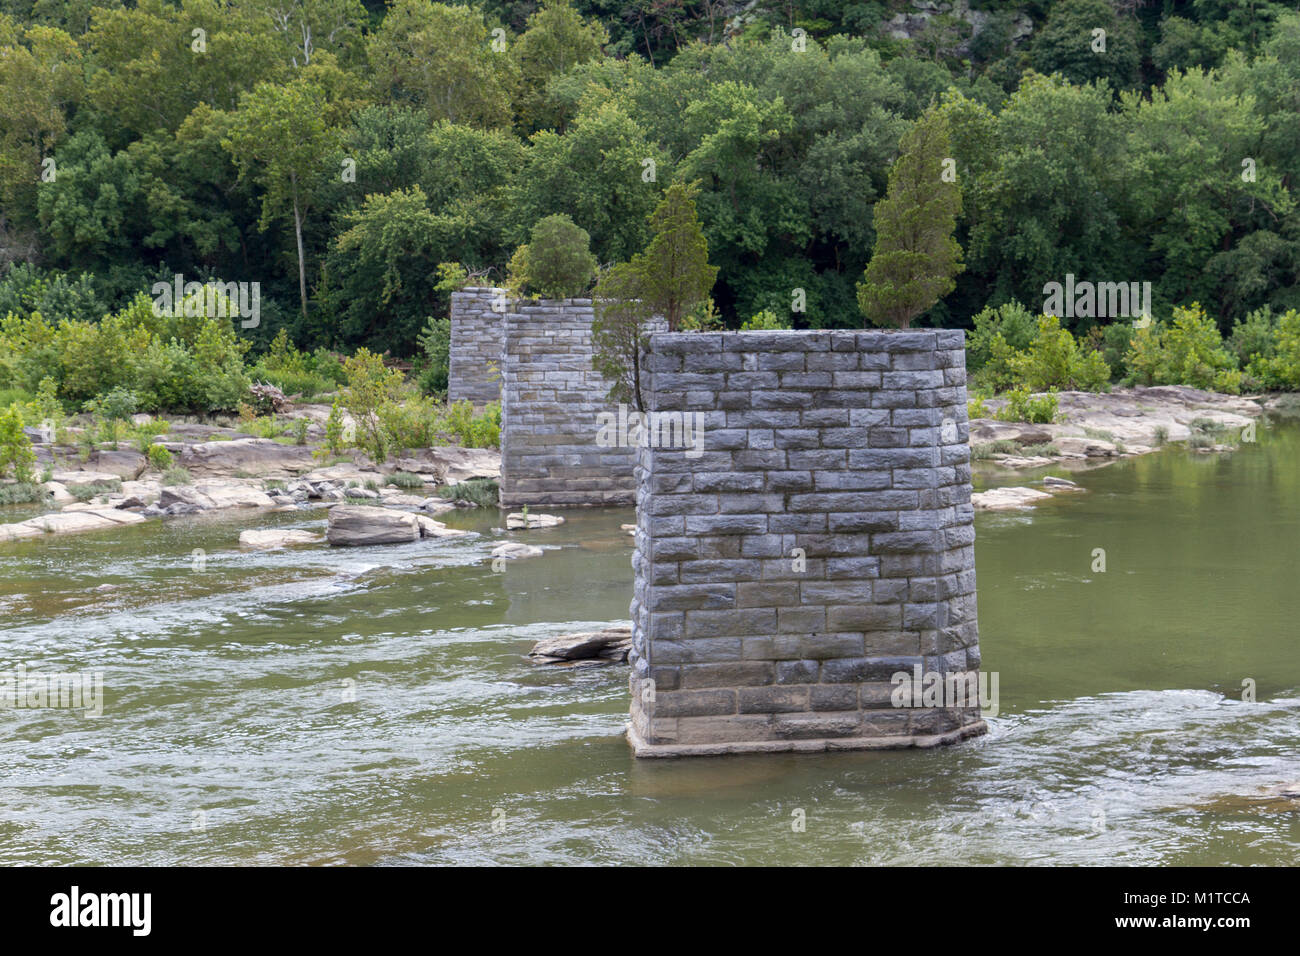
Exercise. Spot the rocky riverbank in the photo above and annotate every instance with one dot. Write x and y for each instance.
(1094, 429)
(225, 468)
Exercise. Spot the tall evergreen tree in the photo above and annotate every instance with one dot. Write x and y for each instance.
(915, 259)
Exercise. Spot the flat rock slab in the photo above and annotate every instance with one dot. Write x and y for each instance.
(451, 464)
(276, 538)
(69, 522)
(610, 644)
(517, 520)
(252, 455)
(514, 550)
(357, 525)
(72, 480)
(1007, 499)
(211, 496)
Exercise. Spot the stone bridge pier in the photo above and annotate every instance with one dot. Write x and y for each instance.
(805, 576)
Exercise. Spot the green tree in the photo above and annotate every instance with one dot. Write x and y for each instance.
(441, 59)
(675, 275)
(670, 279)
(1069, 44)
(41, 75)
(15, 447)
(556, 40)
(556, 262)
(916, 258)
(279, 137)
(372, 388)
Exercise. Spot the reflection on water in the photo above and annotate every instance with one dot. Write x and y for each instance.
(375, 705)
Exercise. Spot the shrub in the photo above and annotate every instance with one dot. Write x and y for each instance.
(144, 433)
(1023, 406)
(336, 438)
(435, 341)
(767, 320)
(1255, 337)
(1011, 321)
(160, 458)
(300, 428)
(405, 480)
(481, 492)
(556, 263)
(1186, 351)
(1111, 342)
(111, 410)
(371, 388)
(45, 408)
(176, 476)
(1003, 446)
(95, 489)
(470, 430)
(16, 453)
(1280, 367)
(1054, 360)
(412, 423)
(1045, 450)
(298, 373)
(22, 493)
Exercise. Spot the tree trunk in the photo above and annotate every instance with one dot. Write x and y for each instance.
(302, 265)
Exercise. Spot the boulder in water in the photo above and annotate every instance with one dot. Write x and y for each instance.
(355, 525)
(610, 645)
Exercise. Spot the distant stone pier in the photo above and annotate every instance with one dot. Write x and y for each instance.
(474, 359)
(816, 547)
(552, 402)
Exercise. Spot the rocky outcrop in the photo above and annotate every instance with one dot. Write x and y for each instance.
(610, 645)
(436, 529)
(251, 456)
(125, 464)
(77, 480)
(209, 496)
(1094, 426)
(450, 465)
(1007, 499)
(1012, 499)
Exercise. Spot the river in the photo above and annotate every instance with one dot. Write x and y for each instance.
(375, 705)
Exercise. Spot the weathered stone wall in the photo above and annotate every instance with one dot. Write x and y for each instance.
(474, 363)
(549, 418)
(848, 450)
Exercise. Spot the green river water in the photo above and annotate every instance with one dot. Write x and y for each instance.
(229, 734)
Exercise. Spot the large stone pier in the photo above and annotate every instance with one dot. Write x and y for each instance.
(820, 546)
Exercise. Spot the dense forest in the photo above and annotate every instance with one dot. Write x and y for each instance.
(337, 152)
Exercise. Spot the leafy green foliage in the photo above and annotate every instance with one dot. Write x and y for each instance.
(1023, 406)
(671, 279)
(160, 458)
(480, 492)
(1280, 367)
(1054, 360)
(16, 453)
(1185, 351)
(556, 262)
(371, 389)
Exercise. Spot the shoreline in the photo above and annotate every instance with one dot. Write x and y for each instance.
(1095, 429)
